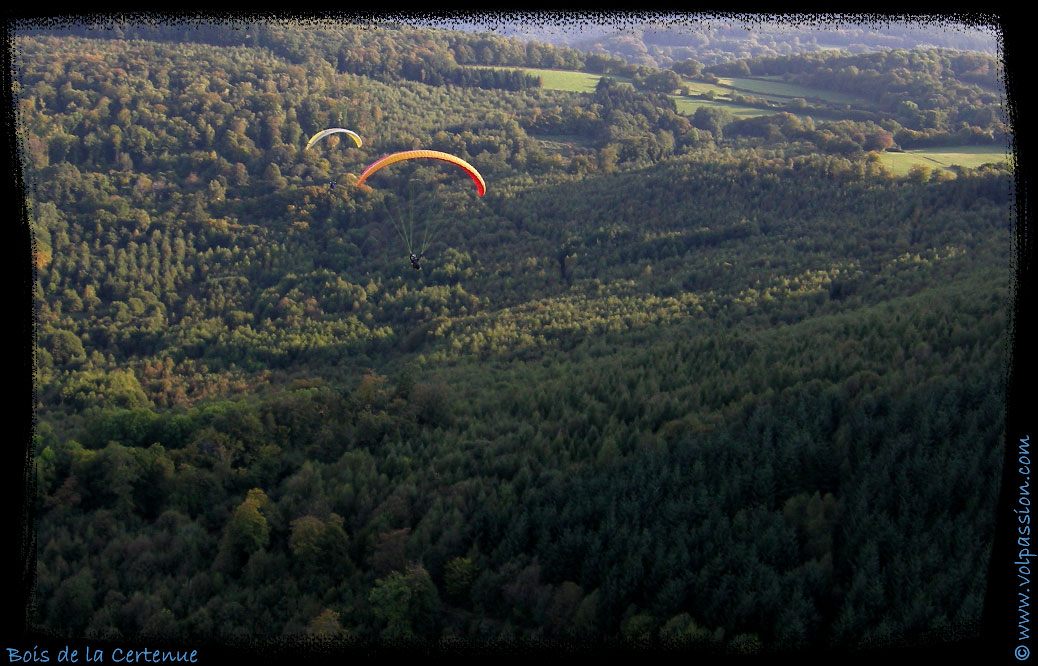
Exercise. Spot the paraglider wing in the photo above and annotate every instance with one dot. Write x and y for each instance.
(481, 185)
(334, 130)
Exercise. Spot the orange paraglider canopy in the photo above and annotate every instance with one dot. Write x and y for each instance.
(481, 185)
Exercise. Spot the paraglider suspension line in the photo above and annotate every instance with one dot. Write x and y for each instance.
(400, 228)
(404, 224)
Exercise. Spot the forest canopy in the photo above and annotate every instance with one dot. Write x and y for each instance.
(700, 367)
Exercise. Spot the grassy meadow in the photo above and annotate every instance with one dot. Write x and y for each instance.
(942, 158)
(775, 89)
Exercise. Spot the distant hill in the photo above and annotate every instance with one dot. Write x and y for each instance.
(712, 40)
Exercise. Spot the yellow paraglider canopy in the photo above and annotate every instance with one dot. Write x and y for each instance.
(333, 130)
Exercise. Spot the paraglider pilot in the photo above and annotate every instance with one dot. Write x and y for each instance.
(414, 261)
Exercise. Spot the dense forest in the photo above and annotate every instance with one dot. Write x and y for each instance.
(682, 378)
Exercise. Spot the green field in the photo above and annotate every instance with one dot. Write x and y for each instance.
(778, 90)
(584, 82)
(688, 106)
(556, 79)
(565, 80)
(943, 158)
(701, 88)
